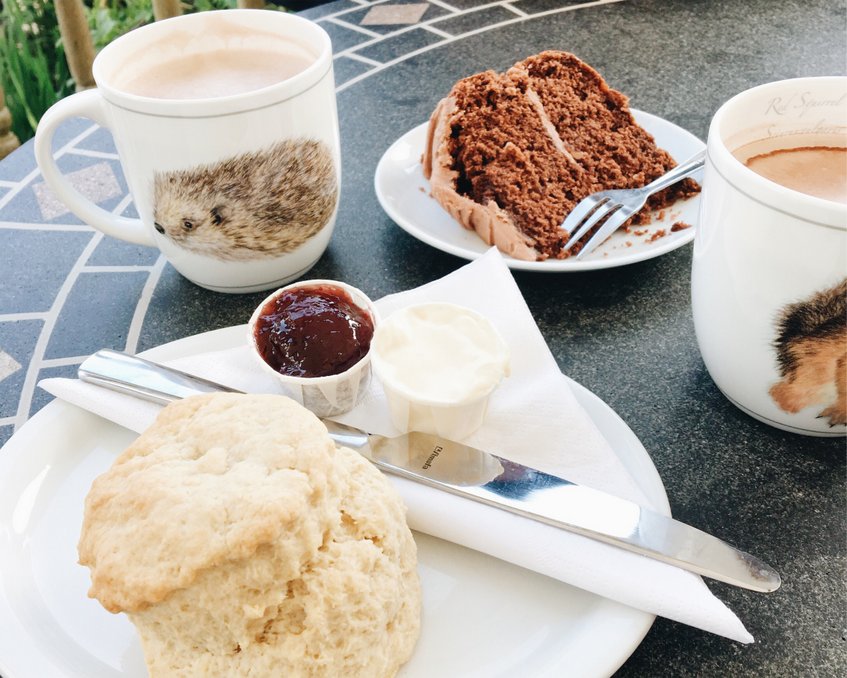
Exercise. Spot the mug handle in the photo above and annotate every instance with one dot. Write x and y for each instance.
(87, 104)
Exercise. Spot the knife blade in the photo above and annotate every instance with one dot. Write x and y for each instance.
(483, 477)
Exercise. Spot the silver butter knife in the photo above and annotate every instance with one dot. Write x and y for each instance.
(483, 477)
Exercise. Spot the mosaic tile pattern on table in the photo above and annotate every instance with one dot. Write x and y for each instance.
(175, 304)
(130, 212)
(40, 397)
(98, 183)
(8, 365)
(343, 38)
(473, 21)
(70, 129)
(20, 164)
(6, 433)
(467, 4)
(345, 69)
(28, 281)
(538, 6)
(100, 141)
(359, 17)
(321, 11)
(395, 14)
(119, 292)
(89, 172)
(114, 252)
(17, 340)
(394, 47)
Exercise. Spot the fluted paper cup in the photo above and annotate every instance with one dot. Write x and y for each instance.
(329, 395)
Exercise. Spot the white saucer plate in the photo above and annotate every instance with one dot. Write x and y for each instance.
(482, 617)
(404, 194)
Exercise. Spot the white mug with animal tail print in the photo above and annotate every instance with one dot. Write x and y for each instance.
(225, 123)
(769, 275)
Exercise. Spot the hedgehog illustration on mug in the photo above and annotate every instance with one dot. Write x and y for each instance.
(254, 205)
(811, 348)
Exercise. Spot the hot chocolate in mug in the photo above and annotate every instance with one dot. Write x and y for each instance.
(769, 275)
(225, 123)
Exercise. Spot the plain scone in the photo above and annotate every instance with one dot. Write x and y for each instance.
(241, 542)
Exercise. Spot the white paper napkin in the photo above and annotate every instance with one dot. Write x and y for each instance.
(533, 419)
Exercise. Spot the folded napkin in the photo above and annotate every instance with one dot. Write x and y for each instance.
(533, 418)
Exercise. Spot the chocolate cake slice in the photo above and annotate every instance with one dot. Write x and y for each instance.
(510, 154)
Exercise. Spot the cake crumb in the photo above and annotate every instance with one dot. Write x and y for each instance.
(679, 226)
(658, 234)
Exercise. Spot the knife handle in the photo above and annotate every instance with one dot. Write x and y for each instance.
(158, 384)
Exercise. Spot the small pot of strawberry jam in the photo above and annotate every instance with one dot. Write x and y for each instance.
(315, 337)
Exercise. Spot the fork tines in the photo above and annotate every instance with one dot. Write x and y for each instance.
(588, 213)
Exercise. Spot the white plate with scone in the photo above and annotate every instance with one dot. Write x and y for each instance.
(404, 194)
(481, 616)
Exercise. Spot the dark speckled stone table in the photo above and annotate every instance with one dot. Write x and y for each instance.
(626, 333)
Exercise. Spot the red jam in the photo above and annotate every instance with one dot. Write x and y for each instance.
(313, 331)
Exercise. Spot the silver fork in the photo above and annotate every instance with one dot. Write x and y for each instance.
(619, 205)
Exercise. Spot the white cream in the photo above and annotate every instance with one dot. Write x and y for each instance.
(440, 353)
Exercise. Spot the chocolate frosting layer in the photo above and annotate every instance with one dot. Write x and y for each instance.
(509, 155)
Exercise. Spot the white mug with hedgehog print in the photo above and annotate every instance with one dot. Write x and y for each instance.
(769, 275)
(227, 131)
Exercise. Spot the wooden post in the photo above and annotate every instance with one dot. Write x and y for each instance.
(79, 48)
(8, 141)
(165, 9)
(251, 4)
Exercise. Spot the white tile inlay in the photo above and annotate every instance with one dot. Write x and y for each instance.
(394, 15)
(8, 365)
(96, 182)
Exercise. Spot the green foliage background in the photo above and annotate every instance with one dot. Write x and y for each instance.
(33, 68)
